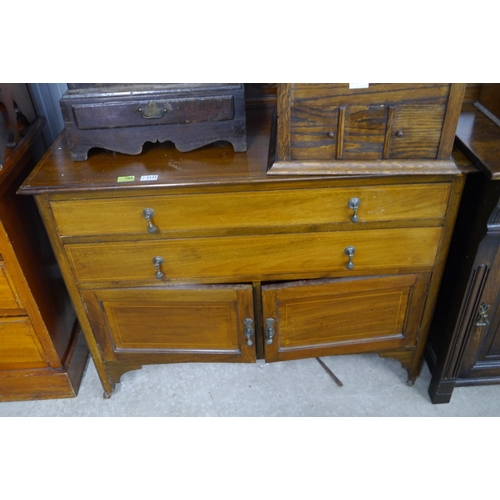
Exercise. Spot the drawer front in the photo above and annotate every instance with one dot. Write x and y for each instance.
(367, 132)
(241, 258)
(9, 298)
(328, 317)
(153, 112)
(200, 321)
(19, 346)
(234, 211)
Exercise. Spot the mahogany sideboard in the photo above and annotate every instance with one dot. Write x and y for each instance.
(42, 350)
(204, 256)
(464, 341)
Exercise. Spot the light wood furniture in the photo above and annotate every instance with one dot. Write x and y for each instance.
(376, 128)
(203, 256)
(464, 342)
(42, 350)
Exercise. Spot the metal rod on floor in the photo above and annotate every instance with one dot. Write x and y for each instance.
(332, 375)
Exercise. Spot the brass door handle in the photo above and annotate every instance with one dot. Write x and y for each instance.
(270, 333)
(353, 204)
(158, 261)
(148, 214)
(248, 330)
(349, 251)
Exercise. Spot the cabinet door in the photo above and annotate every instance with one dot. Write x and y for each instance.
(169, 324)
(344, 316)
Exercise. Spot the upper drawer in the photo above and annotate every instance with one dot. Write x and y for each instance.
(153, 112)
(243, 258)
(264, 209)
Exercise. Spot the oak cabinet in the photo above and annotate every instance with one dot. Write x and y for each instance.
(339, 128)
(210, 258)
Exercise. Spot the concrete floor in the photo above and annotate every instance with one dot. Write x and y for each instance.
(372, 386)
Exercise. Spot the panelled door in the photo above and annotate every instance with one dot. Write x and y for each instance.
(340, 316)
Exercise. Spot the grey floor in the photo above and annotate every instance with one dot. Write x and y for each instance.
(372, 386)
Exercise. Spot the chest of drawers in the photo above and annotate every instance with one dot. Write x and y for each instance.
(211, 259)
(392, 128)
(42, 349)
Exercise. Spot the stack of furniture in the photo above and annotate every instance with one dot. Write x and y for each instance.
(327, 236)
(42, 351)
(464, 344)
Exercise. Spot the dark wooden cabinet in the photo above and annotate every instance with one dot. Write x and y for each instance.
(122, 117)
(464, 341)
(42, 349)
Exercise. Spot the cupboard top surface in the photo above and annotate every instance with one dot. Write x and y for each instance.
(216, 165)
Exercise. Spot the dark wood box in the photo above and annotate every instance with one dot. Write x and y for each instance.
(122, 117)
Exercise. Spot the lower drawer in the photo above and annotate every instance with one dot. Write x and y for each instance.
(241, 258)
(153, 112)
(19, 346)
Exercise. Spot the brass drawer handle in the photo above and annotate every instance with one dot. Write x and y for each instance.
(148, 214)
(158, 261)
(349, 251)
(248, 330)
(353, 204)
(154, 110)
(270, 330)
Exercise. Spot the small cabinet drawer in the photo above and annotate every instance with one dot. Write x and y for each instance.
(238, 211)
(213, 322)
(327, 317)
(153, 112)
(241, 258)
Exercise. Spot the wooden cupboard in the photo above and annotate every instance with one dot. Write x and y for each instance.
(42, 349)
(204, 256)
(339, 128)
